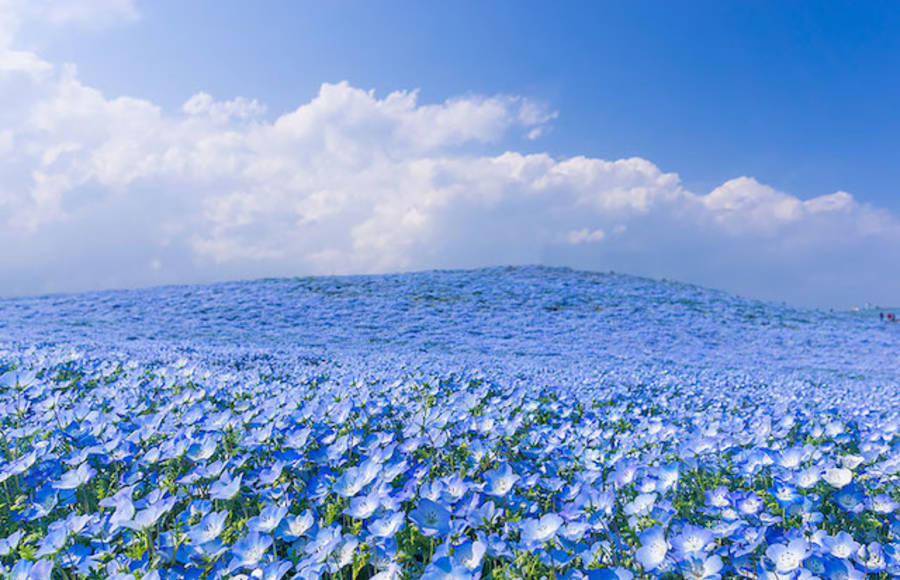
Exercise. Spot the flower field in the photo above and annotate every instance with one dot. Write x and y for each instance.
(499, 423)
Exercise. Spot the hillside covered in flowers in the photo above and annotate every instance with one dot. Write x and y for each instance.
(499, 423)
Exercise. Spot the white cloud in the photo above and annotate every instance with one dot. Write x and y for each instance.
(114, 191)
(585, 235)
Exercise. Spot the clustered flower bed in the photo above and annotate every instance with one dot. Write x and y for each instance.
(152, 461)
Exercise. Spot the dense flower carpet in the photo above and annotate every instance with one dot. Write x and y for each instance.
(499, 423)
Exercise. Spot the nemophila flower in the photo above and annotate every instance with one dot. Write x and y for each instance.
(226, 487)
(841, 570)
(269, 475)
(431, 518)
(469, 554)
(208, 528)
(249, 550)
(203, 449)
(18, 466)
(75, 478)
(540, 530)
(784, 493)
(268, 519)
(52, 542)
(500, 481)
(837, 476)
(693, 541)
(702, 567)
(343, 554)
(641, 505)
(871, 557)
(791, 458)
(808, 477)
(881, 504)
(445, 569)
(850, 498)
(718, 497)
(653, 550)
(10, 542)
(748, 503)
(350, 482)
(293, 527)
(363, 507)
(26, 570)
(124, 509)
(297, 438)
(275, 570)
(391, 571)
(608, 574)
(148, 516)
(326, 540)
(387, 526)
(667, 477)
(454, 489)
(788, 557)
(841, 545)
(623, 474)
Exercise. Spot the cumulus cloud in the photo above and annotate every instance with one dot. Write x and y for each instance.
(109, 191)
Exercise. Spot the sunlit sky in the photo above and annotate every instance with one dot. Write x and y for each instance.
(746, 146)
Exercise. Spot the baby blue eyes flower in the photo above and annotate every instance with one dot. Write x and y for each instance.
(323, 544)
(148, 516)
(431, 518)
(841, 545)
(293, 527)
(10, 542)
(350, 482)
(445, 569)
(641, 505)
(52, 542)
(388, 526)
(269, 475)
(702, 568)
(653, 550)
(609, 574)
(250, 549)
(542, 530)
(268, 519)
(469, 554)
(692, 541)
(75, 478)
(837, 476)
(882, 504)
(25, 570)
(226, 487)
(208, 528)
(275, 571)
(500, 481)
(788, 557)
(363, 507)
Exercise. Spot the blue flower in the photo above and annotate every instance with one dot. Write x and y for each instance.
(431, 518)
(540, 531)
(76, 477)
(653, 550)
(208, 528)
(445, 569)
(249, 550)
(788, 557)
(268, 519)
(226, 487)
(500, 481)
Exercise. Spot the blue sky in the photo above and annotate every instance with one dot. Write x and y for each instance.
(746, 146)
(803, 96)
